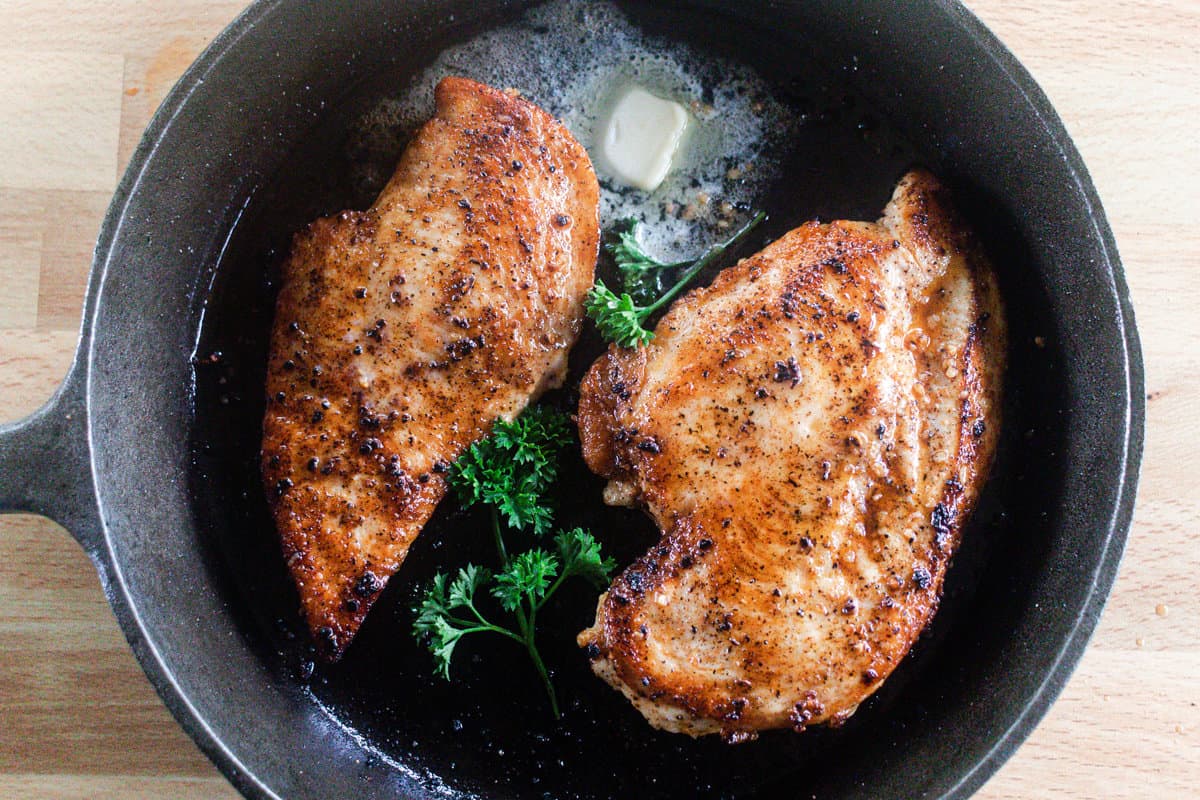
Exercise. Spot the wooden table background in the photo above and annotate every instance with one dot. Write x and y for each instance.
(79, 80)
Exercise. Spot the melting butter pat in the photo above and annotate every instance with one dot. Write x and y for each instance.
(640, 138)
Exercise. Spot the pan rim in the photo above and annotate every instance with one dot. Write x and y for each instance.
(1068, 650)
(112, 580)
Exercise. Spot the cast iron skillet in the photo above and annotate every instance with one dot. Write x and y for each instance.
(147, 452)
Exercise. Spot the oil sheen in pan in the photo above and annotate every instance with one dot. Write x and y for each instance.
(572, 58)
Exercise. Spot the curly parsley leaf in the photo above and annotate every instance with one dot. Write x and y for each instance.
(620, 319)
(436, 623)
(513, 469)
(641, 273)
(534, 438)
(462, 591)
(433, 607)
(580, 555)
(526, 580)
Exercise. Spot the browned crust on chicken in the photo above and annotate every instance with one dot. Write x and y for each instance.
(403, 332)
(810, 433)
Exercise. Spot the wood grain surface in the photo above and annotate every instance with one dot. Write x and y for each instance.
(79, 80)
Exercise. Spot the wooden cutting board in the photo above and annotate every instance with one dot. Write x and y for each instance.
(79, 80)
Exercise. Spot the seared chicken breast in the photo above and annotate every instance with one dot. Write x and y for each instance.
(810, 433)
(403, 332)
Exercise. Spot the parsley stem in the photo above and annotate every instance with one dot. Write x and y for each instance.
(525, 625)
(541, 668)
(493, 628)
(499, 537)
(489, 626)
(566, 573)
(709, 257)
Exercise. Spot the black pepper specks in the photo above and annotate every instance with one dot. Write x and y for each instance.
(787, 371)
(326, 637)
(650, 445)
(941, 520)
(921, 578)
(463, 347)
(804, 711)
(367, 585)
(361, 292)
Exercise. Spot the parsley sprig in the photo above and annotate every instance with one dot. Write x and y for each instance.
(513, 469)
(641, 273)
(511, 472)
(621, 318)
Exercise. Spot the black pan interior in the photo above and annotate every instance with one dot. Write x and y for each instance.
(881, 87)
(490, 728)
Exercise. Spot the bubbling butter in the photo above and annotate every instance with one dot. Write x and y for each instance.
(640, 137)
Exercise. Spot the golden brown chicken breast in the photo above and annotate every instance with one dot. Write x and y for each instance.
(403, 332)
(810, 434)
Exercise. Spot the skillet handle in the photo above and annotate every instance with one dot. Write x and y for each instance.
(46, 465)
